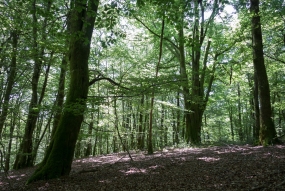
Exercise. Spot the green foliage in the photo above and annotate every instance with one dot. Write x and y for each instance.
(123, 58)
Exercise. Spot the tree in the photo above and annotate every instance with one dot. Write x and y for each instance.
(24, 157)
(10, 80)
(267, 133)
(58, 158)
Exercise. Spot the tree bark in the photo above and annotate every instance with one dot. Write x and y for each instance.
(267, 134)
(58, 159)
(25, 157)
(10, 80)
(60, 95)
(185, 85)
(256, 110)
(140, 135)
(239, 123)
(150, 145)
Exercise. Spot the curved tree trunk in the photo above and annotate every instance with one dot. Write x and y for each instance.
(58, 159)
(267, 133)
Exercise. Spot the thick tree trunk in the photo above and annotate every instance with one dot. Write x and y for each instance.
(199, 99)
(267, 133)
(58, 159)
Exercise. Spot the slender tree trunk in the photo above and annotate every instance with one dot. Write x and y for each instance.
(10, 80)
(58, 159)
(140, 128)
(164, 127)
(256, 110)
(240, 127)
(39, 137)
(231, 123)
(267, 134)
(95, 141)
(150, 145)
(8, 154)
(25, 157)
(185, 85)
(88, 149)
(177, 119)
(60, 95)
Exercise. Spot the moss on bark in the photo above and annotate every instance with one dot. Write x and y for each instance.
(58, 159)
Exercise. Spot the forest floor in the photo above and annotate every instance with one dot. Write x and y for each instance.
(228, 167)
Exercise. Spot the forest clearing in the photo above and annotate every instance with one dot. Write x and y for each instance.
(228, 167)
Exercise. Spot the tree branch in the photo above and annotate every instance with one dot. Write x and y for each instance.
(155, 34)
(108, 79)
(273, 58)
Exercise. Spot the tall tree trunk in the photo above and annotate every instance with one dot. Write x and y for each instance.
(10, 80)
(231, 122)
(8, 155)
(256, 110)
(149, 145)
(60, 95)
(25, 157)
(239, 123)
(88, 149)
(199, 99)
(267, 133)
(140, 134)
(58, 159)
(39, 137)
(185, 85)
(177, 133)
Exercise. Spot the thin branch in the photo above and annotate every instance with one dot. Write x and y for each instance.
(108, 79)
(273, 58)
(155, 34)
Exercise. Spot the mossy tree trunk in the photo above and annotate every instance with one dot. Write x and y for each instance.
(267, 133)
(58, 158)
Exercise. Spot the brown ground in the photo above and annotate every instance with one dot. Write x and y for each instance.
(216, 168)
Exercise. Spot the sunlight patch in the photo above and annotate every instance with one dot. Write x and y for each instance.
(153, 167)
(208, 159)
(134, 171)
(104, 181)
